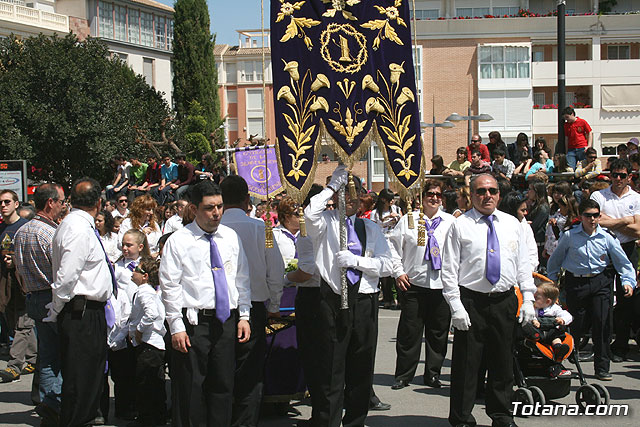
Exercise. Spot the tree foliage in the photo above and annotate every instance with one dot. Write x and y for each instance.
(195, 77)
(68, 107)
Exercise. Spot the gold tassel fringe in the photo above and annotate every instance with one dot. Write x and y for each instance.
(303, 225)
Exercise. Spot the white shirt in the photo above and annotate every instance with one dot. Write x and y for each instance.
(112, 246)
(324, 229)
(465, 251)
(185, 273)
(530, 241)
(152, 238)
(285, 243)
(172, 224)
(117, 336)
(550, 240)
(386, 221)
(307, 262)
(618, 207)
(554, 310)
(266, 271)
(147, 316)
(79, 263)
(116, 213)
(408, 257)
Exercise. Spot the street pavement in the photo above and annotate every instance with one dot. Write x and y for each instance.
(416, 405)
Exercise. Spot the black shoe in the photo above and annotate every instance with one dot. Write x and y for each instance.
(49, 415)
(399, 384)
(560, 351)
(585, 357)
(434, 382)
(380, 407)
(604, 376)
(616, 358)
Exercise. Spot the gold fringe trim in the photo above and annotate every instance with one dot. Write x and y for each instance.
(299, 194)
(303, 224)
(270, 193)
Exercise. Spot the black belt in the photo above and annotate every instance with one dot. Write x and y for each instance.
(490, 295)
(81, 303)
(204, 312)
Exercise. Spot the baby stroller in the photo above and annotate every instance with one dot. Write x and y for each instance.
(533, 362)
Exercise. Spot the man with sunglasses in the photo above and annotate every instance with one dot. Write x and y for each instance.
(619, 203)
(417, 272)
(487, 256)
(476, 144)
(122, 207)
(12, 300)
(586, 252)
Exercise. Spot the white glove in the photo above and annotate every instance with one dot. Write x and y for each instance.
(527, 313)
(338, 178)
(52, 316)
(460, 320)
(346, 259)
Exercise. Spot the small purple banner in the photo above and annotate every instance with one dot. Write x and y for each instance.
(258, 170)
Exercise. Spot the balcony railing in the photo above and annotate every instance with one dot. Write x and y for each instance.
(34, 17)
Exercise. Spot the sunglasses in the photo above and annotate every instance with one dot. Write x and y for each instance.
(482, 191)
(122, 201)
(433, 194)
(6, 202)
(591, 215)
(139, 269)
(475, 140)
(620, 175)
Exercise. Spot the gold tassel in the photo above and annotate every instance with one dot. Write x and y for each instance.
(268, 229)
(410, 223)
(421, 228)
(352, 187)
(303, 225)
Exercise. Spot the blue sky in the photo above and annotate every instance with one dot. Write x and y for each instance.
(227, 16)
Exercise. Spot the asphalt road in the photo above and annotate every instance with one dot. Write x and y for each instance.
(416, 405)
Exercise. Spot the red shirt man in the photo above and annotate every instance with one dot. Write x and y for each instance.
(476, 144)
(577, 131)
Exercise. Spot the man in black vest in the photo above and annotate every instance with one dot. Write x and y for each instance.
(348, 339)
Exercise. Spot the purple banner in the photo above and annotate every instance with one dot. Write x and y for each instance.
(258, 171)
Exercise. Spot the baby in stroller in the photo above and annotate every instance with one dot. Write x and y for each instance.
(551, 321)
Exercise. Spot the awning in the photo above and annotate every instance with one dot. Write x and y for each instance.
(621, 98)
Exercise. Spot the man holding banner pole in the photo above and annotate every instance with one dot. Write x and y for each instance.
(348, 340)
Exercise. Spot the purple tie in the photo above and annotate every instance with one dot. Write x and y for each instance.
(114, 283)
(131, 266)
(355, 247)
(293, 238)
(109, 314)
(219, 281)
(541, 312)
(493, 252)
(432, 253)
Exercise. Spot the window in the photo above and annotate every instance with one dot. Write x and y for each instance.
(120, 23)
(476, 12)
(232, 96)
(378, 160)
(500, 62)
(147, 71)
(105, 13)
(501, 11)
(231, 73)
(252, 71)
(134, 26)
(169, 34)
(570, 97)
(425, 14)
(538, 99)
(255, 127)
(254, 99)
(161, 41)
(232, 125)
(146, 28)
(618, 52)
(121, 56)
(537, 54)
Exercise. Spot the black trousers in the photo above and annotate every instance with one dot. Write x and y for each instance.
(424, 311)
(626, 313)
(307, 329)
(493, 319)
(346, 342)
(202, 378)
(149, 385)
(249, 372)
(83, 351)
(590, 297)
(122, 364)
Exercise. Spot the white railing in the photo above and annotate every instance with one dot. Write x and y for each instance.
(35, 17)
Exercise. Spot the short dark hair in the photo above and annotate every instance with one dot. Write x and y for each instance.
(476, 152)
(590, 150)
(588, 204)
(461, 150)
(431, 183)
(618, 164)
(150, 266)
(13, 194)
(45, 192)
(499, 151)
(569, 110)
(234, 190)
(204, 189)
(26, 207)
(315, 189)
(622, 147)
(181, 156)
(86, 197)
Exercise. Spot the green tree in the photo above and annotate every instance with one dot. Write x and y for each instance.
(194, 126)
(68, 107)
(195, 77)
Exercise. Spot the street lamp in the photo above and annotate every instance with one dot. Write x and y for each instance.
(455, 117)
(434, 125)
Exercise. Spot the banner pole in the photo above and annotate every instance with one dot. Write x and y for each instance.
(342, 212)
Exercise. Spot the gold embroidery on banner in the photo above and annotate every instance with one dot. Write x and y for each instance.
(296, 25)
(349, 131)
(344, 32)
(397, 124)
(340, 6)
(346, 86)
(381, 25)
